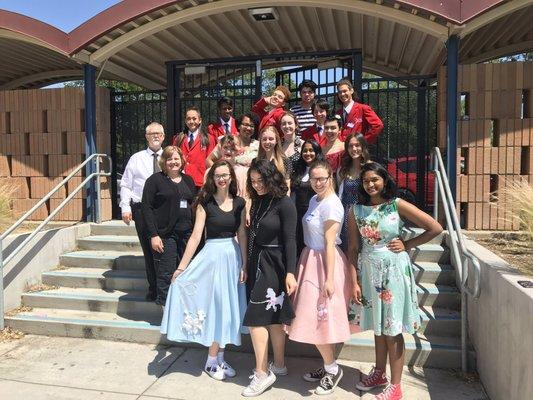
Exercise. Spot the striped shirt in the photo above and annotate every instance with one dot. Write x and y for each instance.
(304, 116)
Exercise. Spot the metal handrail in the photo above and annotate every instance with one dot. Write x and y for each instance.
(461, 254)
(97, 174)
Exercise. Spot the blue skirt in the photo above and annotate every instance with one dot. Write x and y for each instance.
(207, 303)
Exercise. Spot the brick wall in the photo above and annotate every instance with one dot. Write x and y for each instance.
(42, 139)
(494, 139)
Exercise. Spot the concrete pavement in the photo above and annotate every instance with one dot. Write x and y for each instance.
(41, 368)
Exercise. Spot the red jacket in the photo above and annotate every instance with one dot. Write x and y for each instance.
(334, 160)
(312, 133)
(195, 156)
(270, 118)
(361, 119)
(217, 129)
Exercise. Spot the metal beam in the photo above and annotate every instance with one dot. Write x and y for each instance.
(207, 9)
(452, 62)
(89, 83)
(492, 15)
(58, 75)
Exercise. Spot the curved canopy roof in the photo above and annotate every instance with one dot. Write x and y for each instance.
(133, 39)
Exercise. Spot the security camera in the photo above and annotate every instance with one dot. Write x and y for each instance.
(264, 14)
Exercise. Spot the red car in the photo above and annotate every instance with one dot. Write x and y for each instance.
(404, 172)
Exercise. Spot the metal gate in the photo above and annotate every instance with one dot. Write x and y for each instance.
(202, 86)
(408, 108)
(131, 112)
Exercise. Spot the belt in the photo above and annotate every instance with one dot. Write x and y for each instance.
(270, 246)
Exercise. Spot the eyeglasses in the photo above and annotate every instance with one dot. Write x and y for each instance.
(154, 134)
(321, 179)
(222, 177)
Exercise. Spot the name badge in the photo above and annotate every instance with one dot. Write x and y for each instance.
(183, 203)
(350, 124)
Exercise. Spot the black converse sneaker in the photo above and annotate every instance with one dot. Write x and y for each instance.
(314, 376)
(329, 382)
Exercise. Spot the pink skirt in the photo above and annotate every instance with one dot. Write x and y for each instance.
(321, 320)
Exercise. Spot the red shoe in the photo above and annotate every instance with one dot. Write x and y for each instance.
(375, 378)
(391, 392)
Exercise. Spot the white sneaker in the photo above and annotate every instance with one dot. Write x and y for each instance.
(259, 384)
(215, 372)
(277, 371)
(228, 370)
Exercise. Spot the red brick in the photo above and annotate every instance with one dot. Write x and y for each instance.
(47, 143)
(5, 167)
(34, 165)
(486, 215)
(41, 186)
(20, 186)
(72, 211)
(75, 143)
(62, 165)
(22, 205)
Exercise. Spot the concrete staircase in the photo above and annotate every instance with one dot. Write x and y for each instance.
(101, 287)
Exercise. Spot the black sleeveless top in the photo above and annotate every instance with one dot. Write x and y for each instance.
(222, 224)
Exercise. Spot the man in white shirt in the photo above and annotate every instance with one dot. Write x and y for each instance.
(140, 166)
(302, 111)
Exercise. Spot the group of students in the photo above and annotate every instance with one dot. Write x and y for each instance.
(294, 234)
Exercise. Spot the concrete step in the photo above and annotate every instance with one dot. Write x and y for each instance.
(421, 350)
(119, 260)
(411, 232)
(432, 272)
(108, 299)
(439, 296)
(98, 278)
(91, 299)
(110, 242)
(115, 227)
(430, 253)
(440, 322)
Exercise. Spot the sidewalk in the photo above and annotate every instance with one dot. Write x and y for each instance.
(39, 367)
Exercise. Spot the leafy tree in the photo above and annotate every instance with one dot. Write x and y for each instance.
(113, 85)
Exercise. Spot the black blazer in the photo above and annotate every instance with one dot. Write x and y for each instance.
(161, 202)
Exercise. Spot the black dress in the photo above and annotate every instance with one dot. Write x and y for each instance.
(272, 254)
(301, 192)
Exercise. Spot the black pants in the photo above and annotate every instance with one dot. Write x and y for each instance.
(144, 239)
(165, 263)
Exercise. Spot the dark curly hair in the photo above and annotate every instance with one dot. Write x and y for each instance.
(209, 188)
(389, 186)
(273, 180)
(301, 165)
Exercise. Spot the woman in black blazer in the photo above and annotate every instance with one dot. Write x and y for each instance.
(166, 203)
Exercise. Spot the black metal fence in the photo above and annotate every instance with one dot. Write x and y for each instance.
(131, 112)
(202, 89)
(408, 108)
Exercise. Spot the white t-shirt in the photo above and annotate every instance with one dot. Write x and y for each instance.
(328, 209)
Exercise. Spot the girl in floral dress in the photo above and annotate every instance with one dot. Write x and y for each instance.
(389, 299)
(207, 299)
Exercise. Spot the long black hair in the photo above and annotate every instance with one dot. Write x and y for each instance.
(273, 179)
(301, 165)
(389, 186)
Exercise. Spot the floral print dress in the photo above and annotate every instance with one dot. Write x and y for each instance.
(390, 304)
